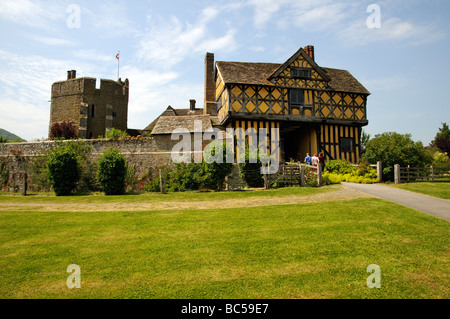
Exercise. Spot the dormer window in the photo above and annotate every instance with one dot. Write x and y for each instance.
(300, 73)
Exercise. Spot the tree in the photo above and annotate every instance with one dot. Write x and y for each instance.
(393, 148)
(442, 139)
(63, 170)
(63, 130)
(365, 138)
(112, 170)
(215, 164)
(250, 166)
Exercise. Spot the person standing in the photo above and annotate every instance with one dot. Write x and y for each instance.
(322, 161)
(308, 159)
(315, 160)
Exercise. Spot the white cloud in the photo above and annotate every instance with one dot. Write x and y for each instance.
(53, 41)
(152, 91)
(169, 41)
(24, 119)
(392, 29)
(109, 19)
(26, 90)
(264, 11)
(32, 13)
(93, 55)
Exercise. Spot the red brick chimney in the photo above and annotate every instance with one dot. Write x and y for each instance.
(309, 49)
(210, 86)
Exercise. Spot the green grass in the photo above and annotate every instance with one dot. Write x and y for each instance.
(43, 198)
(291, 251)
(441, 190)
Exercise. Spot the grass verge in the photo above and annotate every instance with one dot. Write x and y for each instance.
(441, 190)
(285, 251)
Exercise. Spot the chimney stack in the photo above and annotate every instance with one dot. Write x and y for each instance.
(210, 86)
(72, 74)
(192, 105)
(309, 49)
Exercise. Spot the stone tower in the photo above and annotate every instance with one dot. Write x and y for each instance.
(93, 110)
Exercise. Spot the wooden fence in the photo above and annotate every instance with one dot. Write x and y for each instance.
(295, 174)
(420, 174)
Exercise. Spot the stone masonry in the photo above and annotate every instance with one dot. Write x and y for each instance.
(93, 110)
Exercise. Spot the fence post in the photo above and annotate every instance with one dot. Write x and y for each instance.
(407, 170)
(266, 177)
(25, 184)
(302, 175)
(432, 173)
(319, 175)
(397, 174)
(379, 172)
(162, 181)
(165, 180)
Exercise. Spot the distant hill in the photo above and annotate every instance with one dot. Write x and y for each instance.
(10, 136)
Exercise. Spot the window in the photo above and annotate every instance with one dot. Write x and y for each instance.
(347, 144)
(297, 98)
(300, 73)
(92, 110)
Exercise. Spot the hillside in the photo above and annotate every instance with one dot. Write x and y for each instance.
(10, 136)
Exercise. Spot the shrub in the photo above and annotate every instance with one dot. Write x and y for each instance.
(251, 172)
(4, 174)
(216, 167)
(63, 130)
(356, 179)
(88, 177)
(111, 174)
(331, 178)
(186, 177)
(38, 173)
(116, 133)
(131, 180)
(63, 171)
(339, 167)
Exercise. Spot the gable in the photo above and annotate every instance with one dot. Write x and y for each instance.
(300, 61)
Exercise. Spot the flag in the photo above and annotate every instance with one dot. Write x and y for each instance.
(117, 56)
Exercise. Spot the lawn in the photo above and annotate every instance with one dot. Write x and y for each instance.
(441, 190)
(319, 250)
(155, 197)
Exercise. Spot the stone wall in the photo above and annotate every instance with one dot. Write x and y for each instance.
(142, 153)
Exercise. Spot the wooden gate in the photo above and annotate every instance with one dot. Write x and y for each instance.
(290, 174)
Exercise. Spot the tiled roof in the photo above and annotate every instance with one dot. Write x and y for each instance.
(342, 80)
(246, 73)
(170, 111)
(166, 124)
(258, 73)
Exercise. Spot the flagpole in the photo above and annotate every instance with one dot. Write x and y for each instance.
(118, 64)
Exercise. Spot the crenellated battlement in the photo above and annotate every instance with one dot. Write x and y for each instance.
(94, 109)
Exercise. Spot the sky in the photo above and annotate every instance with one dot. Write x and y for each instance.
(399, 50)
